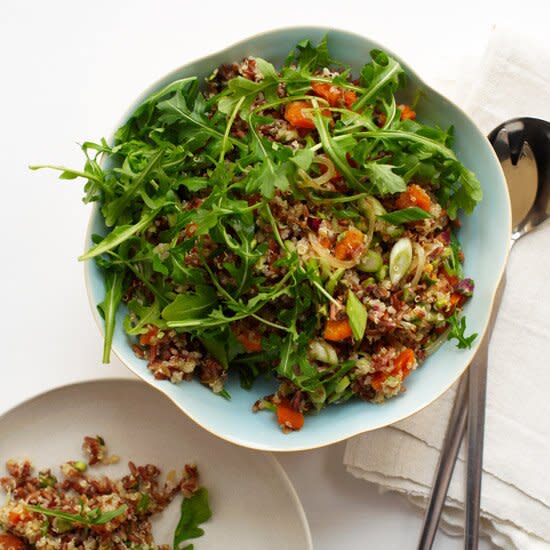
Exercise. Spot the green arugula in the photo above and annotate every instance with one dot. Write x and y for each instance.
(191, 305)
(457, 331)
(380, 77)
(334, 149)
(308, 57)
(244, 92)
(194, 511)
(269, 175)
(118, 235)
(108, 308)
(114, 209)
(143, 315)
(452, 264)
(94, 517)
(383, 179)
(405, 215)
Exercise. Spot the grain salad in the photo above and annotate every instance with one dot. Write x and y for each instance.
(75, 510)
(299, 223)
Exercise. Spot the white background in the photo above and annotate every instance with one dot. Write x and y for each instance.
(69, 71)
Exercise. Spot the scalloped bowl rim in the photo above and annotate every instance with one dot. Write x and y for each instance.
(321, 440)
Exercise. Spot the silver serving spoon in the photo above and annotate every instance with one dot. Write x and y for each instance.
(523, 148)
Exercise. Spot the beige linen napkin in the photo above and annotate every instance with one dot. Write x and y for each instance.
(512, 80)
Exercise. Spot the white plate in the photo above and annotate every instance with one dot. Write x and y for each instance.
(253, 502)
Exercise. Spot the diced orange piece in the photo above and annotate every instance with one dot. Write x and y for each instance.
(299, 118)
(335, 331)
(289, 418)
(378, 380)
(147, 338)
(407, 113)
(294, 113)
(250, 339)
(11, 542)
(325, 241)
(350, 97)
(414, 196)
(457, 300)
(404, 362)
(350, 245)
(452, 279)
(334, 95)
(14, 517)
(327, 91)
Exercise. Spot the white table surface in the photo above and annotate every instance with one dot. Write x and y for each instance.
(69, 70)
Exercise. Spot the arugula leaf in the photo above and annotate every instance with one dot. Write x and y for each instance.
(191, 306)
(457, 332)
(175, 110)
(245, 248)
(118, 235)
(303, 158)
(380, 76)
(383, 179)
(351, 120)
(96, 185)
(334, 149)
(357, 316)
(109, 307)
(452, 265)
(309, 57)
(215, 346)
(468, 195)
(266, 70)
(405, 215)
(194, 184)
(95, 517)
(176, 86)
(145, 315)
(285, 368)
(246, 91)
(268, 175)
(114, 209)
(68, 173)
(194, 511)
(303, 64)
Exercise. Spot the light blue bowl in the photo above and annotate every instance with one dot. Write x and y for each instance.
(485, 236)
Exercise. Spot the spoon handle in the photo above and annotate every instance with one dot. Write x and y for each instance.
(456, 429)
(477, 393)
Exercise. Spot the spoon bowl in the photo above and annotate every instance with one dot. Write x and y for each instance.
(523, 146)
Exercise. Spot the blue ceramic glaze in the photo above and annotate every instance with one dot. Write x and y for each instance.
(485, 237)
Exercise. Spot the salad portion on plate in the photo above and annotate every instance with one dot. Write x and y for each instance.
(293, 222)
(141, 492)
(75, 509)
